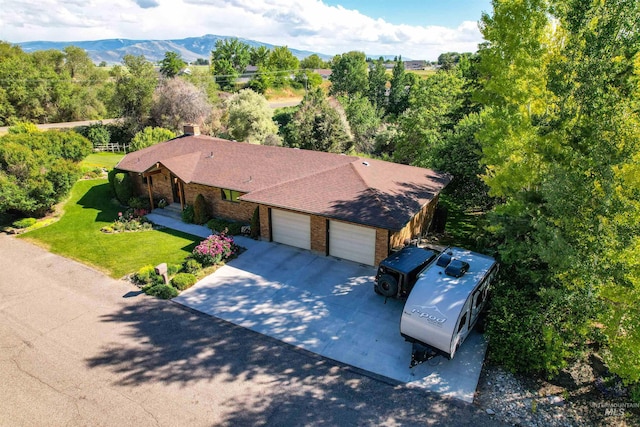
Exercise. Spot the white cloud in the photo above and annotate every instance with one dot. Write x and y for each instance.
(301, 24)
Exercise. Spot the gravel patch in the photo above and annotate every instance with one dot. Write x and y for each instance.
(577, 397)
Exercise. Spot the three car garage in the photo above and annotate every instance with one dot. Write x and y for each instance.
(347, 241)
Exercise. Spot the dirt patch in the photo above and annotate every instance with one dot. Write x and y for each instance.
(583, 394)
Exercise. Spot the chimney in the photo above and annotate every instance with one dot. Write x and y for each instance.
(191, 129)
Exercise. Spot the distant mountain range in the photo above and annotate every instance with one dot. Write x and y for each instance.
(113, 50)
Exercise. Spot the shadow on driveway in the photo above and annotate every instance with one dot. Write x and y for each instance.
(184, 347)
(328, 306)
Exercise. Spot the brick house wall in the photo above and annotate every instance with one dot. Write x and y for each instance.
(217, 206)
(382, 245)
(265, 226)
(319, 235)
(417, 226)
(160, 185)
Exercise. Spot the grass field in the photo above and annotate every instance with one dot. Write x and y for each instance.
(77, 235)
(101, 160)
(423, 73)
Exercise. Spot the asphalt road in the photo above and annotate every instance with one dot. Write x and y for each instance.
(79, 348)
(66, 125)
(46, 126)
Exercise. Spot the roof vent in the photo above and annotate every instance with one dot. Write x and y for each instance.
(443, 259)
(456, 268)
(365, 163)
(210, 156)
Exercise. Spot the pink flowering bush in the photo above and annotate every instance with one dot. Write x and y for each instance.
(214, 249)
(131, 220)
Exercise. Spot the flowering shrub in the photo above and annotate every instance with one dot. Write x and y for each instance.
(131, 220)
(214, 249)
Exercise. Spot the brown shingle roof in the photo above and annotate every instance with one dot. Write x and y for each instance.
(364, 191)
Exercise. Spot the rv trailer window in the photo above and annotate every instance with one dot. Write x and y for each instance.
(480, 294)
(462, 322)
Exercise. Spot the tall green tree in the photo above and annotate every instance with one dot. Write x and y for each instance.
(364, 120)
(77, 62)
(377, 93)
(229, 59)
(560, 135)
(283, 64)
(134, 87)
(312, 62)
(259, 55)
(399, 90)
(171, 64)
(317, 126)
(433, 111)
(349, 74)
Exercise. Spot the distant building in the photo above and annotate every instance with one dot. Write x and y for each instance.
(415, 65)
(324, 72)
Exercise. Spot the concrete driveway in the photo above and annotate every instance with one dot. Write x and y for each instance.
(81, 349)
(328, 306)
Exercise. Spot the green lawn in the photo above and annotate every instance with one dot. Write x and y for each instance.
(77, 235)
(101, 160)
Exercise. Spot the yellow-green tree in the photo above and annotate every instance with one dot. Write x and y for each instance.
(560, 138)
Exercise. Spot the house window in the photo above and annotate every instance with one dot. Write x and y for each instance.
(146, 180)
(230, 195)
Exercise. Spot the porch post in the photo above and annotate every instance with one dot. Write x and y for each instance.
(150, 192)
(181, 193)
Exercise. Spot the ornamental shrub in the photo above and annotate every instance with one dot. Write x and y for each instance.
(200, 210)
(161, 291)
(219, 225)
(147, 276)
(141, 202)
(123, 187)
(188, 214)
(182, 281)
(24, 223)
(111, 176)
(214, 249)
(191, 266)
(173, 269)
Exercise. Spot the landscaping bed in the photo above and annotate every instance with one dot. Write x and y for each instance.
(77, 235)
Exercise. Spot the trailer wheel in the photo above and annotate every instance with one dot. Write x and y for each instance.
(388, 285)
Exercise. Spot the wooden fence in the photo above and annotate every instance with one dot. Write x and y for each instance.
(111, 147)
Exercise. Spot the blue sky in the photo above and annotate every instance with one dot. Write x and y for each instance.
(448, 13)
(416, 29)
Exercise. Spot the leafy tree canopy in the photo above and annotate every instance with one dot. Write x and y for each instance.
(38, 169)
(150, 136)
(250, 118)
(349, 74)
(229, 59)
(171, 64)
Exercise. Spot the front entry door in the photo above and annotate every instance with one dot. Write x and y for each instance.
(175, 189)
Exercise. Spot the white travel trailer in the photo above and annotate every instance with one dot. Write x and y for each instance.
(445, 303)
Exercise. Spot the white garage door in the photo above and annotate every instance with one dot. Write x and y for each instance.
(352, 242)
(291, 228)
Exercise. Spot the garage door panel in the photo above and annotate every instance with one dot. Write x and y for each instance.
(291, 228)
(352, 242)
